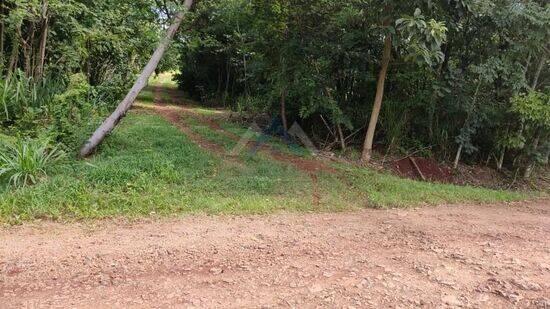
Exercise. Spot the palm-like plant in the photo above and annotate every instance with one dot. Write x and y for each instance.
(24, 161)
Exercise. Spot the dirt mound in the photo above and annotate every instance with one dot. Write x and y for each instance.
(423, 169)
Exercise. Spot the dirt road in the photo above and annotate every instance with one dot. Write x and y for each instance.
(450, 256)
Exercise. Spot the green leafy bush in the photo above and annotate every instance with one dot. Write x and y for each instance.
(70, 111)
(532, 138)
(23, 162)
(533, 109)
(60, 110)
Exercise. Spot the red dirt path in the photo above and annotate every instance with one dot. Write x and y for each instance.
(449, 256)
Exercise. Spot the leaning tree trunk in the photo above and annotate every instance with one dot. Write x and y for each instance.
(369, 140)
(110, 123)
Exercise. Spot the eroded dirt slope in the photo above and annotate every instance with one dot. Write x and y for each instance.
(473, 256)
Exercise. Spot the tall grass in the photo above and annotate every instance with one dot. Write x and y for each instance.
(23, 162)
(19, 94)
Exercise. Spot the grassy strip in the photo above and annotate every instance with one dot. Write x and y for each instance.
(147, 96)
(385, 190)
(377, 189)
(147, 167)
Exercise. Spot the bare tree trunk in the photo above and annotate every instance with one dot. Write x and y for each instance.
(14, 58)
(283, 109)
(526, 67)
(227, 80)
(341, 137)
(461, 147)
(458, 155)
(220, 81)
(2, 32)
(367, 148)
(41, 56)
(532, 161)
(500, 162)
(28, 51)
(111, 122)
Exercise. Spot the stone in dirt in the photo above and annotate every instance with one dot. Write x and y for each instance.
(451, 300)
(526, 285)
(216, 271)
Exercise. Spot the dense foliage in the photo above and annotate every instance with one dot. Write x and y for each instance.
(61, 61)
(467, 80)
(463, 80)
(65, 63)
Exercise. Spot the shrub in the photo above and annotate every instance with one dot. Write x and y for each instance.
(70, 110)
(58, 110)
(23, 162)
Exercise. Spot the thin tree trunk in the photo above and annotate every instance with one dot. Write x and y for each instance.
(532, 161)
(459, 152)
(245, 75)
(283, 110)
(500, 162)
(14, 56)
(367, 148)
(341, 137)
(458, 155)
(28, 52)
(220, 81)
(526, 67)
(111, 122)
(227, 80)
(41, 56)
(2, 32)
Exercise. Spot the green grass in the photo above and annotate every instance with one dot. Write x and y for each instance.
(385, 190)
(275, 142)
(146, 96)
(148, 167)
(164, 79)
(375, 189)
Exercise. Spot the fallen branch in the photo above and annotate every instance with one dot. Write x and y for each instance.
(328, 127)
(413, 153)
(413, 161)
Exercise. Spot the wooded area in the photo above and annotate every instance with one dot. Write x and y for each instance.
(458, 80)
(468, 79)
